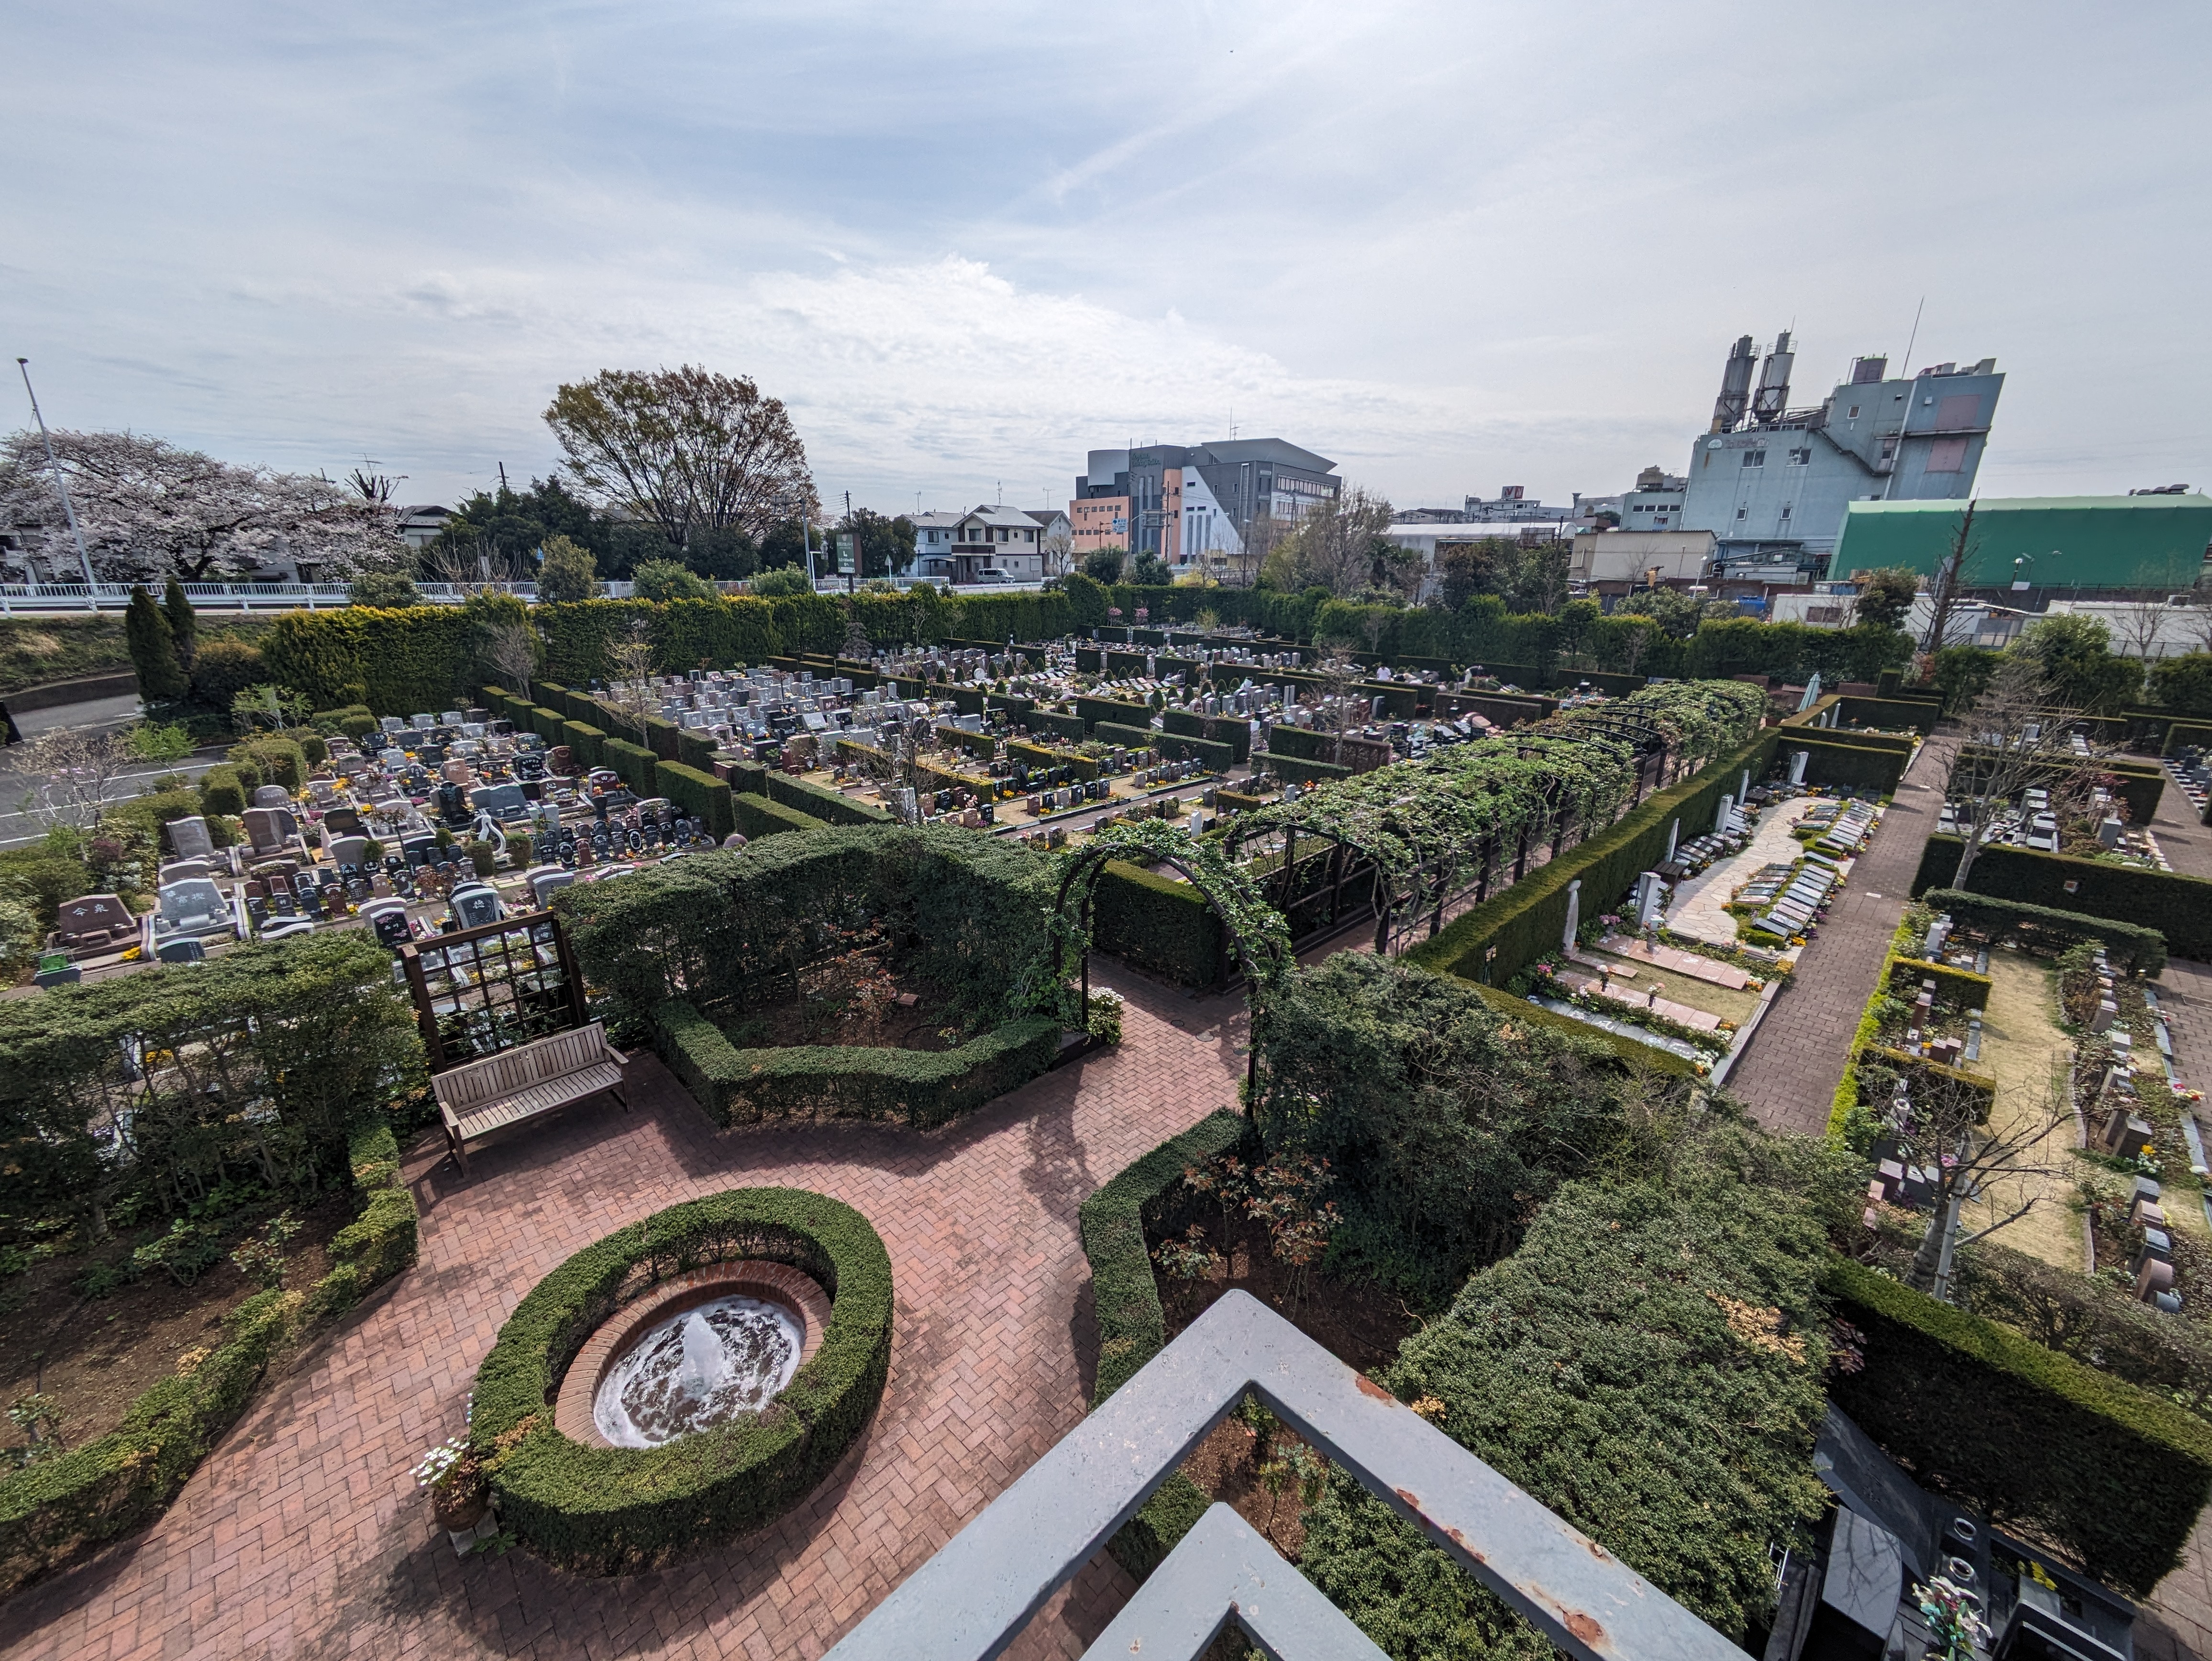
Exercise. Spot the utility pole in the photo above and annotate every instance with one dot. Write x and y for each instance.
(69, 510)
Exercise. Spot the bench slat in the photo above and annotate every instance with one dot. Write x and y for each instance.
(541, 1097)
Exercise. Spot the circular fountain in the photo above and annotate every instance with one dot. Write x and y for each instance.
(695, 1353)
(696, 1369)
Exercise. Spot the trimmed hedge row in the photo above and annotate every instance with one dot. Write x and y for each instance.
(588, 744)
(1528, 919)
(830, 806)
(2141, 783)
(2033, 1438)
(633, 762)
(1070, 727)
(1291, 770)
(1961, 986)
(1917, 713)
(982, 744)
(1630, 1052)
(2182, 905)
(701, 795)
(609, 1511)
(1845, 765)
(1175, 746)
(2128, 947)
(1166, 927)
(1132, 1328)
(1116, 710)
(1039, 755)
(1143, 739)
(760, 816)
(925, 1088)
(1234, 731)
(54, 1511)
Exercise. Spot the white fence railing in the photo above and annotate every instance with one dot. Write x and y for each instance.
(62, 597)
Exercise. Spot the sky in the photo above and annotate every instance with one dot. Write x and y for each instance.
(1450, 246)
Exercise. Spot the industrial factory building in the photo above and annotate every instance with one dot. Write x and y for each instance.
(1772, 483)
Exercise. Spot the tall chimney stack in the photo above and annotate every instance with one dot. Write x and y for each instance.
(1736, 389)
(1774, 382)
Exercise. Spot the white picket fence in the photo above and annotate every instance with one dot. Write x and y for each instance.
(18, 599)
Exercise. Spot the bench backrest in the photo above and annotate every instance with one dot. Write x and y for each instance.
(518, 1069)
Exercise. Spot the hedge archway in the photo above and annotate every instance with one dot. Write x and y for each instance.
(614, 1511)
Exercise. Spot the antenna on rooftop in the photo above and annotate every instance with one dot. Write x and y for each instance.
(1906, 367)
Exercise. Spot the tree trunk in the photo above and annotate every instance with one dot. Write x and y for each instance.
(1921, 1277)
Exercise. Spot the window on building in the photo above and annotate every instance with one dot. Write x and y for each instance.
(1800, 458)
(1786, 510)
(1754, 458)
(1742, 512)
(1854, 413)
(1948, 455)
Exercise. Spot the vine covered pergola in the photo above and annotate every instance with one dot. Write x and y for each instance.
(1404, 842)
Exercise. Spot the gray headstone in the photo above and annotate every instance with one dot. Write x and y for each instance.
(1797, 765)
(190, 838)
(1574, 914)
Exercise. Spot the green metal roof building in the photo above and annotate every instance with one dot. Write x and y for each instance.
(2145, 543)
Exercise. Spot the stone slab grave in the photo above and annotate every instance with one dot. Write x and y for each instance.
(189, 838)
(1675, 961)
(1699, 906)
(1624, 989)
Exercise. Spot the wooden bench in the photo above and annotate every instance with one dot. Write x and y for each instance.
(502, 1090)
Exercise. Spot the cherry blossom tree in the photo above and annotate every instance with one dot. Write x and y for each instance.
(150, 510)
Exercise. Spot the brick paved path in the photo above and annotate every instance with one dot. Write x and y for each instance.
(1790, 1071)
(301, 1534)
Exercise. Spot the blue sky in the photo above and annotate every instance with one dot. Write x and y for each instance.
(1453, 245)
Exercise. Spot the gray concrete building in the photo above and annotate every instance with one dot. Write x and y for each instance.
(1772, 483)
(1192, 504)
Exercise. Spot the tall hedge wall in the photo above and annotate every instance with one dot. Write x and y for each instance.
(1294, 770)
(2181, 906)
(1166, 927)
(587, 745)
(830, 806)
(701, 795)
(633, 762)
(2128, 947)
(1842, 766)
(760, 816)
(1528, 919)
(2032, 1437)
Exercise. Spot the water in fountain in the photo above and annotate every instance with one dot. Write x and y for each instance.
(696, 1369)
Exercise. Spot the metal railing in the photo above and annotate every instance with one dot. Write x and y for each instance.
(42, 597)
(970, 1600)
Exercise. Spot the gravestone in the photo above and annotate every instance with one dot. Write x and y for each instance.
(189, 837)
(268, 829)
(180, 870)
(1674, 832)
(1797, 758)
(271, 795)
(1650, 894)
(94, 920)
(193, 906)
(1574, 914)
(1721, 814)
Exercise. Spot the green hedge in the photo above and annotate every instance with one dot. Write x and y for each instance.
(1215, 757)
(1069, 727)
(1916, 712)
(2113, 1473)
(2128, 947)
(1166, 927)
(982, 744)
(1132, 1327)
(56, 1511)
(2140, 783)
(1234, 731)
(586, 744)
(2183, 905)
(1844, 765)
(759, 816)
(1528, 918)
(1142, 739)
(608, 1511)
(1292, 770)
(1038, 755)
(1630, 1052)
(1121, 713)
(546, 722)
(701, 795)
(830, 806)
(2183, 734)
(223, 790)
(633, 762)
(1960, 987)
(1301, 742)
(925, 1088)
(696, 750)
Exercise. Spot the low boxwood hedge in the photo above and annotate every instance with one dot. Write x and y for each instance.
(701, 795)
(609, 1511)
(2112, 1473)
(1961, 986)
(54, 1511)
(1132, 1328)
(1040, 755)
(2182, 905)
(2128, 947)
(758, 815)
(925, 1088)
(1293, 769)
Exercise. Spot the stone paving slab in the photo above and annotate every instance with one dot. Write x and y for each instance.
(301, 1534)
(1676, 961)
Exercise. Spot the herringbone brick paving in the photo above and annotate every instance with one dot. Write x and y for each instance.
(301, 1534)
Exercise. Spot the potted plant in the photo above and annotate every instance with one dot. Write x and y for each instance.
(458, 1495)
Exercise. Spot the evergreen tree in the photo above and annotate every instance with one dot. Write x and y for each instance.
(153, 649)
(184, 625)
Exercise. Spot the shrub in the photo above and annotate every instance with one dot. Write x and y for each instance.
(830, 806)
(1443, 1119)
(1039, 755)
(276, 760)
(587, 744)
(2129, 948)
(1292, 770)
(222, 791)
(1648, 1366)
(633, 762)
(2113, 1473)
(926, 1088)
(1961, 987)
(701, 795)
(55, 1510)
(1125, 1299)
(607, 1511)
(668, 579)
(223, 668)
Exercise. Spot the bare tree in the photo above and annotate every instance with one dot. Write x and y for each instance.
(2015, 738)
(470, 567)
(2139, 624)
(1943, 589)
(71, 772)
(512, 649)
(1335, 545)
(1946, 1127)
(684, 450)
(629, 662)
(1339, 678)
(1058, 546)
(267, 704)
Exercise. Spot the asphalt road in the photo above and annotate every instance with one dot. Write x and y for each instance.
(19, 826)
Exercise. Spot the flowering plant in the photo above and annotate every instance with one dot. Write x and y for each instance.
(439, 1464)
(1953, 1621)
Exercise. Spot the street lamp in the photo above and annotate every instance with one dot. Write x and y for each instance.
(68, 512)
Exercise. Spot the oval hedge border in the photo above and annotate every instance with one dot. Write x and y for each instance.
(615, 1511)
